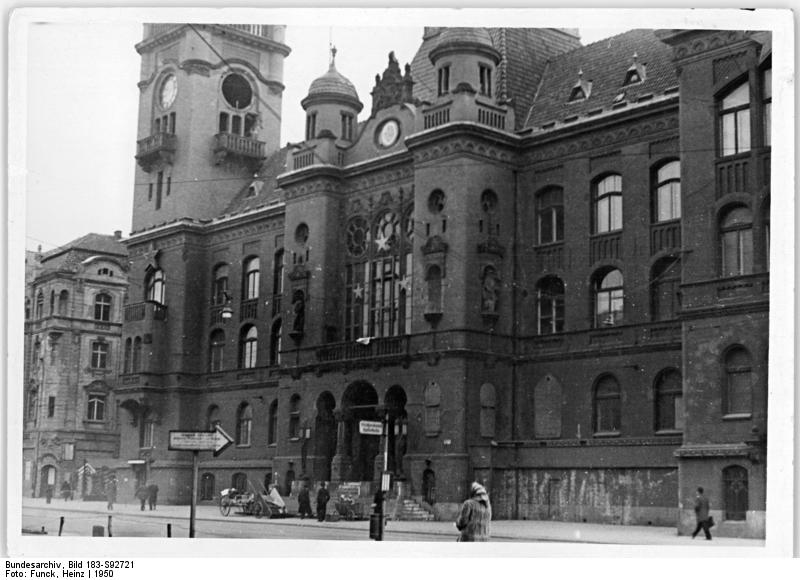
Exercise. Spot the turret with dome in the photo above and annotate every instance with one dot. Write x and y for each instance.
(331, 105)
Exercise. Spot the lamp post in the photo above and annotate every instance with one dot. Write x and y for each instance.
(227, 311)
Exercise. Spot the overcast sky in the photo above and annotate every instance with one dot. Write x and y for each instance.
(82, 100)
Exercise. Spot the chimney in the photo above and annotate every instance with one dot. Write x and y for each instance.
(117, 234)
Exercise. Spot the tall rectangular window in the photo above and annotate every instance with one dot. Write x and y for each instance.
(311, 126)
(766, 91)
(485, 80)
(444, 80)
(159, 188)
(51, 406)
(735, 121)
(99, 355)
(96, 409)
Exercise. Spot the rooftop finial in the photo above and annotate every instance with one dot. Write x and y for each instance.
(580, 73)
(635, 56)
(333, 56)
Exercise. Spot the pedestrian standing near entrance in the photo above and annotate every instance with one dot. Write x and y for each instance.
(111, 492)
(476, 513)
(48, 493)
(142, 494)
(701, 509)
(66, 490)
(304, 502)
(152, 495)
(323, 496)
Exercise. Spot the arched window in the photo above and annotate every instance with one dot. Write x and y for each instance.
(27, 308)
(432, 400)
(239, 481)
(738, 389)
(550, 305)
(33, 404)
(126, 367)
(608, 303)
(550, 215)
(219, 289)
(212, 417)
(97, 407)
(665, 289)
(244, 424)
(736, 241)
(102, 307)
(39, 304)
(669, 401)
(667, 202)
(155, 285)
(294, 417)
(216, 350)
(608, 204)
(147, 431)
(272, 435)
(275, 343)
(137, 355)
(248, 347)
(207, 486)
(607, 405)
(52, 302)
(734, 112)
(488, 410)
(252, 278)
(63, 303)
(735, 488)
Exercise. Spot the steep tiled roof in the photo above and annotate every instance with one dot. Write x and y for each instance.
(265, 185)
(73, 253)
(524, 52)
(604, 64)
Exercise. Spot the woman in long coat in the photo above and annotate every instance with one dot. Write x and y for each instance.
(476, 513)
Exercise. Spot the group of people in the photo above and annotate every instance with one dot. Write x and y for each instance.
(147, 493)
(304, 502)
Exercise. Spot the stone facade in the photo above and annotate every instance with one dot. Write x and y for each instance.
(73, 324)
(543, 299)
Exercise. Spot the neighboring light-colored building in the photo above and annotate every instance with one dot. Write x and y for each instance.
(73, 323)
(518, 261)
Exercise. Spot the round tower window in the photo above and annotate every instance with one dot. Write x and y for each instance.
(237, 91)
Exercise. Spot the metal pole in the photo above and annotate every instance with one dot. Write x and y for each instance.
(109, 526)
(60, 525)
(169, 530)
(382, 519)
(194, 494)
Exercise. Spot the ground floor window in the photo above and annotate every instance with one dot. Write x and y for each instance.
(207, 486)
(736, 492)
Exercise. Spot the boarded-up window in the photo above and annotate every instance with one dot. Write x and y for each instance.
(488, 404)
(547, 408)
(433, 399)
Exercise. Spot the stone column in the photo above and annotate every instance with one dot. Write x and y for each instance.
(341, 464)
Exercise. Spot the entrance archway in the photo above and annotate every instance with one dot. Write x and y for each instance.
(359, 403)
(47, 479)
(324, 436)
(396, 411)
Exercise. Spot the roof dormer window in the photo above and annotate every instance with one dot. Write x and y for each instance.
(581, 90)
(636, 73)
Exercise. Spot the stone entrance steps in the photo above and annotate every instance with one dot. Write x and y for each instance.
(409, 510)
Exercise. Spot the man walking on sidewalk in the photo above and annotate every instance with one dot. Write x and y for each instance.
(322, 502)
(701, 509)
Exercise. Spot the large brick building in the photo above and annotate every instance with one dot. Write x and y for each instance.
(73, 322)
(544, 266)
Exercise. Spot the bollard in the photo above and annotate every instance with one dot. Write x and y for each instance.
(98, 531)
(109, 526)
(169, 530)
(60, 525)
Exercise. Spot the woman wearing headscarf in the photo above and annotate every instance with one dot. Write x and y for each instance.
(476, 513)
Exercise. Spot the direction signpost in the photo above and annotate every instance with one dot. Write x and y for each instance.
(197, 441)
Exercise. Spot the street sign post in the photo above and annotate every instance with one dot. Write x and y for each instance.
(197, 441)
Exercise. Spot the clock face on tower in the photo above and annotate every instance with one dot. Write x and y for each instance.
(169, 88)
(388, 133)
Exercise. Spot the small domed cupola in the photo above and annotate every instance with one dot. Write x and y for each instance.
(465, 59)
(331, 105)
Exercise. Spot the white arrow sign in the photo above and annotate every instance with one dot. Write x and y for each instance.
(216, 440)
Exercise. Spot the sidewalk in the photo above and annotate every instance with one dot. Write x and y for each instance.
(501, 529)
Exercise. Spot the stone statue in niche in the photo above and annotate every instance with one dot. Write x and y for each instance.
(490, 291)
(299, 308)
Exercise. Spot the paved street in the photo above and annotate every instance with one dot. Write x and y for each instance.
(128, 520)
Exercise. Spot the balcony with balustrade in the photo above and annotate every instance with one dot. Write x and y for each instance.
(235, 148)
(155, 150)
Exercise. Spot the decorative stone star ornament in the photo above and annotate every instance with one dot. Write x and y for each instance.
(383, 242)
(358, 292)
(405, 284)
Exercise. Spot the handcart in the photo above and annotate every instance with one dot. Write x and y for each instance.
(256, 502)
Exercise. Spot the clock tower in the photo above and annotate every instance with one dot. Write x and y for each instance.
(209, 114)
